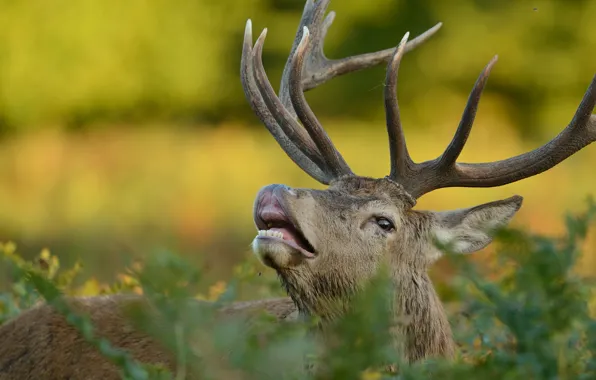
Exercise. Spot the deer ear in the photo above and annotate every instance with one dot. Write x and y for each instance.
(470, 229)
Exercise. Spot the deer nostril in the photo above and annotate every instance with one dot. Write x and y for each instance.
(287, 189)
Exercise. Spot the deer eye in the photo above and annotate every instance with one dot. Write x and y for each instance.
(385, 224)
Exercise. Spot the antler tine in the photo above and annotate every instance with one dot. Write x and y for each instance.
(335, 162)
(331, 68)
(260, 108)
(311, 18)
(445, 172)
(449, 157)
(401, 162)
(318, 69)
(295, 132)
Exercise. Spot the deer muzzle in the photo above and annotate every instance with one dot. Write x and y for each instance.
(279, 241)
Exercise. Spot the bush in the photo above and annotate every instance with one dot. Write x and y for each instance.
(532, 321)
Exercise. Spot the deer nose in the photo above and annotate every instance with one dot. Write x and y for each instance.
(280, 189)
(274, 187)
(270, 200)
(274, 191)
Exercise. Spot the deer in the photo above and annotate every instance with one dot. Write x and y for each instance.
(324, 244)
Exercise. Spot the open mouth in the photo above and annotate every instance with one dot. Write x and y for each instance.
(274, 223)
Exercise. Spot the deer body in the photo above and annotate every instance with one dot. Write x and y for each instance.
(325, 244)
(41, 344)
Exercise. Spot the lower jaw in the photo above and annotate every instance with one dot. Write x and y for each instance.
(276, 255)
(297, 250)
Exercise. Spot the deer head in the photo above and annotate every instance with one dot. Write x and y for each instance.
(325, 244)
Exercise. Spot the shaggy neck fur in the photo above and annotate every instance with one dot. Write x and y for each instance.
(327, 297)
(426, 332)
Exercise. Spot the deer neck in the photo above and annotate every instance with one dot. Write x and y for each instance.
(426, 330)
(327, 297)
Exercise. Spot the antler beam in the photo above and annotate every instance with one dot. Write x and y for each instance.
(333, 158)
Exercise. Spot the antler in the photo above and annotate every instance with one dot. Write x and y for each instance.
(307, 67)
(421, 178)
(313, 151)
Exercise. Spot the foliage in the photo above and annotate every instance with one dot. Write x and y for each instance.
(532, 321)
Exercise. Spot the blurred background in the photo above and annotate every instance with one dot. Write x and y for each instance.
(124, 128)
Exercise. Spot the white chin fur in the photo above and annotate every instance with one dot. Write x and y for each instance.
(272, 252)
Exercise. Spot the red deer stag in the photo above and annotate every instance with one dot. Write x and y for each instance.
(40, 344)
(324, 244)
